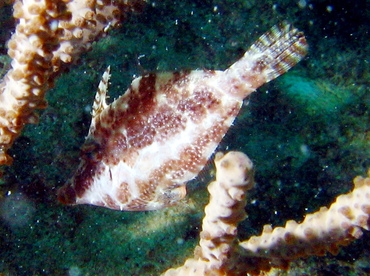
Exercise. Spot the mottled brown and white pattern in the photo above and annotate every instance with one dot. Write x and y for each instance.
(143, 148)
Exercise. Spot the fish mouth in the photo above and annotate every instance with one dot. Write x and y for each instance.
(67, 194)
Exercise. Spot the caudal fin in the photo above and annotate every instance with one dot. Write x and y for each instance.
(279, 49)
(274, 53)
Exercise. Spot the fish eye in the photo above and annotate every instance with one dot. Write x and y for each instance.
(89, 150)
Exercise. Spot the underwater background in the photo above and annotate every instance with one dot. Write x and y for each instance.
(308, 133)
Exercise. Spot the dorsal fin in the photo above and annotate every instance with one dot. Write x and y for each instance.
(99, 101)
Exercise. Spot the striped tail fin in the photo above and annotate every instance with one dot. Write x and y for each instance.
(282, 47)
(273, 54)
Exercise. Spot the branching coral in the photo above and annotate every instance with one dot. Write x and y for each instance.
(220, 253)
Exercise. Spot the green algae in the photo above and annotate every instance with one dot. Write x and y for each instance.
(317, 97)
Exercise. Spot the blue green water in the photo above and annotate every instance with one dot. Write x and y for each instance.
(307, 132)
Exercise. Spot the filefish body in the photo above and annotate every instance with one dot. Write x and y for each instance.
(143, 148)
